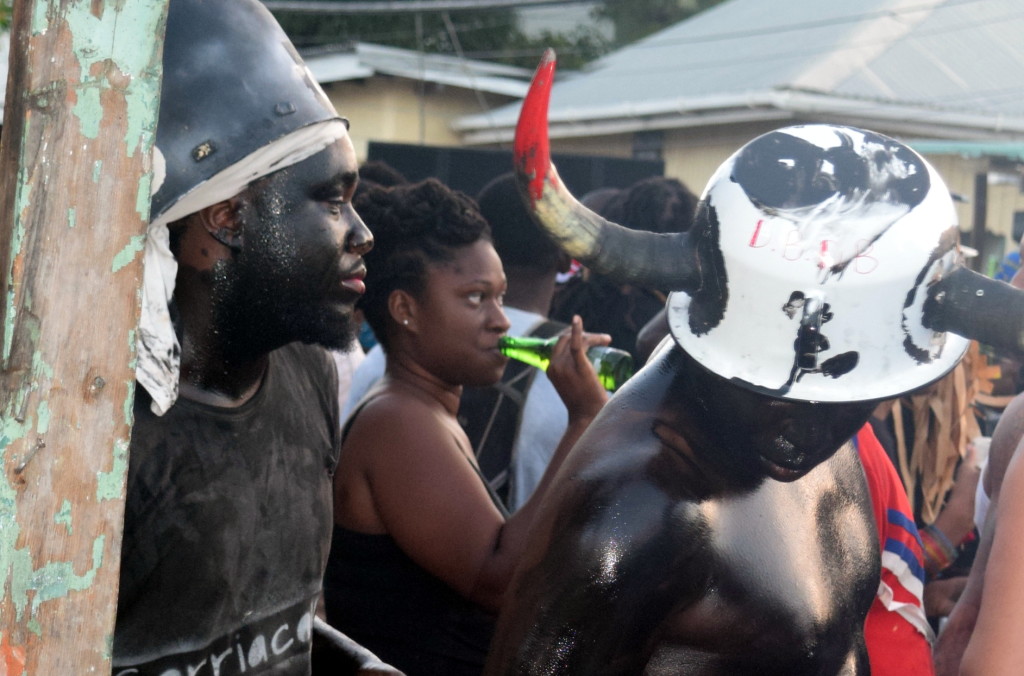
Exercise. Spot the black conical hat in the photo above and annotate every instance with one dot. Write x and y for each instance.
(232, 83)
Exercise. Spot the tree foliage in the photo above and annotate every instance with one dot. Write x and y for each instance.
(636, 19)
(491, 34)
(474, 28)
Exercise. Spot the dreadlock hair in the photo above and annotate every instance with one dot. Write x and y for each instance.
(655, 204)
(518, 239)
(414, 226)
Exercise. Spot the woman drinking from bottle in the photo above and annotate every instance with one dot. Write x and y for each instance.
(423, 551)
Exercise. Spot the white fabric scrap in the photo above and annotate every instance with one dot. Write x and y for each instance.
(159, 355)
(911, 612)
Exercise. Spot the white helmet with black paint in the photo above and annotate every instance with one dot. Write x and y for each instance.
(822, 241)
(812, 269)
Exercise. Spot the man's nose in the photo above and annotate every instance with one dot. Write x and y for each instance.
(360, 239)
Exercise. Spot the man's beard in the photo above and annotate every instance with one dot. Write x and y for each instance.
(334, 329)
(256, 320)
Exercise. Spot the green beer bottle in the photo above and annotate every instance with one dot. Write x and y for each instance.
(614, 367)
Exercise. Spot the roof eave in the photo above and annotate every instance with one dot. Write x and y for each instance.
(607, 127)
(369, 60)
(487, 84)
(775, 105)
(903, 118)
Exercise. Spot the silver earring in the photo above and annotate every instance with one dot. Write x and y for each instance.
(405, 322)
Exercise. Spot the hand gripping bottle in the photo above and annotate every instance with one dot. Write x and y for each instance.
(614, 367)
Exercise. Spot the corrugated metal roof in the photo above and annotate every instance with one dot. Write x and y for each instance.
(365, 60)
(958, 63)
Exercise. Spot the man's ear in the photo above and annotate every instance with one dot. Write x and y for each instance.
(403, 308)
(221, 222)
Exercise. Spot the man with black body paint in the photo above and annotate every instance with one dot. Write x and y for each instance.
(253, 262)
(714, 518)
(666, 552)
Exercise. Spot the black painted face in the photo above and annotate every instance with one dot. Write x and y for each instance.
(784, 439)
(299, 269)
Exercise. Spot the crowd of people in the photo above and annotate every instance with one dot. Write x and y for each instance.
(334, 469)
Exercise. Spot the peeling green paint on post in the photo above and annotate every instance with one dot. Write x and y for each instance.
(103, 75)
(54, 580)
(43, 420)
(40, 17)
(14, 563)
(144, 196)
(8, 325)
(63, 517)
(129, 400)
(11, 430)
(110, 485)
(12, 427)
(22, 199)
(127, 254)
(129, 409)
(89, 111)
(111, 38)
(40, 368)
(133, 364)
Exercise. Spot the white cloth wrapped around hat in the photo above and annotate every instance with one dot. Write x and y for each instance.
(159, 354)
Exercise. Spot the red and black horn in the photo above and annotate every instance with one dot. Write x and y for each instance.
(662, 261)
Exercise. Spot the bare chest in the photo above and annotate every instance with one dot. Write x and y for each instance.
(792, 569)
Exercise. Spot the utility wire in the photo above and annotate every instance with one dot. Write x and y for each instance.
(390, 6)
(453, 35)
(481, 99)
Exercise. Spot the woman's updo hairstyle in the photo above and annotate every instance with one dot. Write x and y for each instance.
(414, 226)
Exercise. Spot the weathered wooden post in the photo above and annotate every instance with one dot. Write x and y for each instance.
(79, 125)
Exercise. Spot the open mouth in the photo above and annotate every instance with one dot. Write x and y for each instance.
(781, 472)
(784, 461)
(355, 285)
(354, 281)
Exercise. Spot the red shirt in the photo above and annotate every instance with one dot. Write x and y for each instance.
(896, 630)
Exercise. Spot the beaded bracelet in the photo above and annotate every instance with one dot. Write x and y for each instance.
(938, 550)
